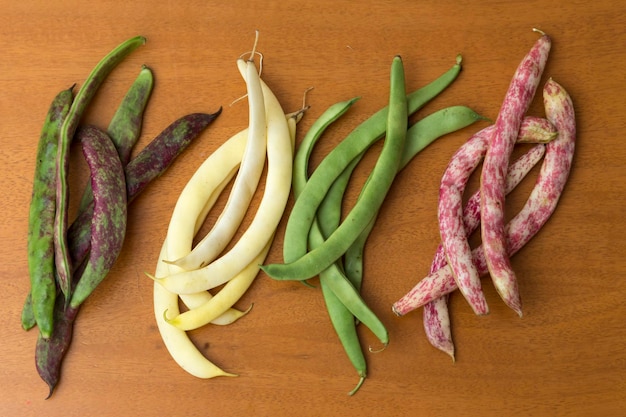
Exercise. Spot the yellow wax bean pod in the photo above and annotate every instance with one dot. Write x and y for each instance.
(179, 345)
(246, 181)
(268, 215)
(220, 303)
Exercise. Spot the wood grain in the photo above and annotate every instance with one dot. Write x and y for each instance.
(565, 357)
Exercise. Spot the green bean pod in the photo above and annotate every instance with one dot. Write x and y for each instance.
(125, 127)
(341, 315)
(68, 129)
(108, 225)
(419, 135)
(341, 318)
(28, 317)
(355, 143)
(345, 327)
(40, 245)
(372, 194)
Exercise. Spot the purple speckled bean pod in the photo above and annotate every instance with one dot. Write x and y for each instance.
(84, 96)
(159, 154)
(540, 205)
(515, 104)
(452, 225)
(150, 163)
(108, 224)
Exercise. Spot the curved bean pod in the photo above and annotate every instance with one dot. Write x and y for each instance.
(515, 104)
(450, 210)
(245, 183)
(180, 347)
(328, 218)
(40, 243)
(436, 317)
(223, 300)
(108, 225)
(151, 162)
(539, 207)
(194, 202)
(202, 186)
(343, 312)
(81, 101)
(419, 136)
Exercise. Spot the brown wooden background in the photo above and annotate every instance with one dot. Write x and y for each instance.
(565, 357)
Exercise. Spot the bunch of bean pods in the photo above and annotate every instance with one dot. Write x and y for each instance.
(317, 241)
(456, 264)
(67, 261)
(188, 272)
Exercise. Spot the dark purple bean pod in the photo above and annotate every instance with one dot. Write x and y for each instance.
(108, 224)
(159, 154)
(49, 353)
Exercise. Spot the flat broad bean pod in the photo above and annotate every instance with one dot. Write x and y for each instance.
(83, 97)
(108, 225)
(515, 104)
(108, 231)
(40, 243)
(374, 127)
(450, 209)
(266, 219)
(539, 207)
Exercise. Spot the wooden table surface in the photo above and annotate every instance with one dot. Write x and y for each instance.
(565, 357)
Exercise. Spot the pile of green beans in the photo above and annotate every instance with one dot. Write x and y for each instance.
(66, 264)
(313, 245)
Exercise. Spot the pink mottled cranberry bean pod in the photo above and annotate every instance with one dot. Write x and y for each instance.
(515, 104)
(453, 227)
(436, 316)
